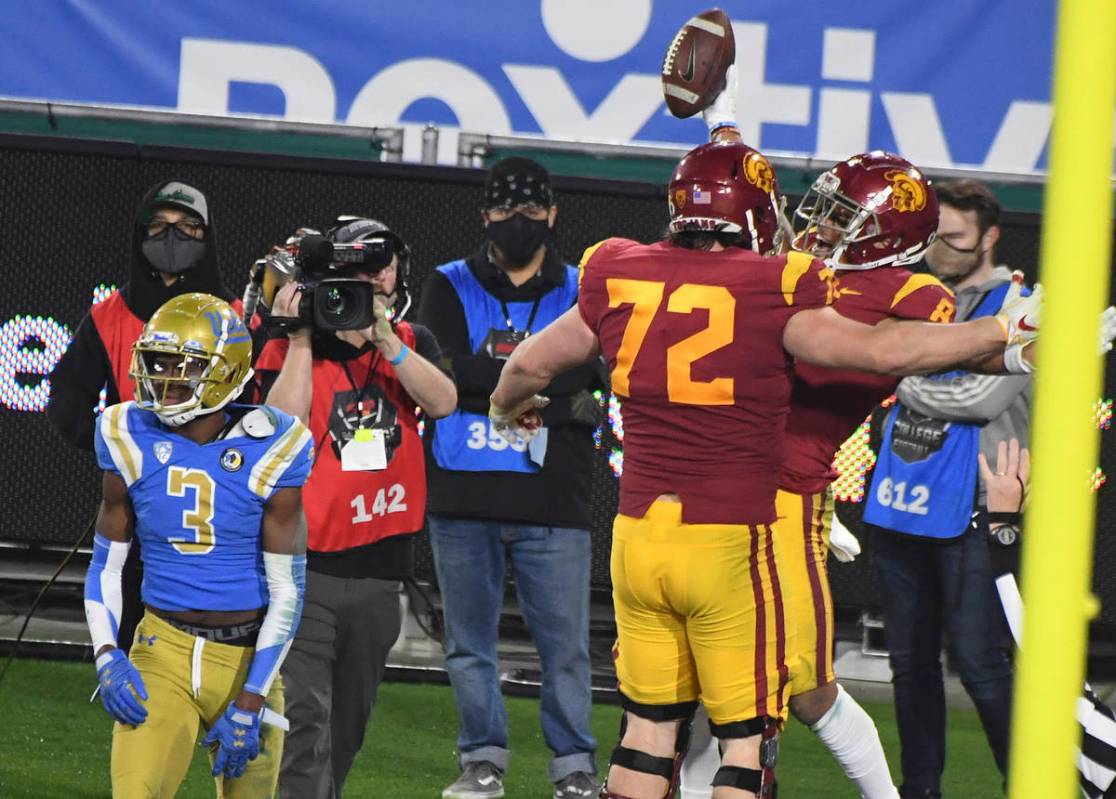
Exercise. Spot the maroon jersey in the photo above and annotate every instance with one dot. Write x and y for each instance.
(694, 341)
(828, 404)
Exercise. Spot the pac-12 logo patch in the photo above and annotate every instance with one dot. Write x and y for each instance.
(232, 459)
(163, 450)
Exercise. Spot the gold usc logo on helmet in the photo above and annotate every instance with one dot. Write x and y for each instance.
(758, 172)
(907, 193)
(680, 199)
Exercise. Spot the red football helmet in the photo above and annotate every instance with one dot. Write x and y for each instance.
(874, 209)
(727, 187)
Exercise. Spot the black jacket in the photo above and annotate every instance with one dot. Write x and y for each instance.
(556, 496)
(86, 368)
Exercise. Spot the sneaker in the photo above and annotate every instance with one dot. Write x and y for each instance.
(578, 784)
(479, 780)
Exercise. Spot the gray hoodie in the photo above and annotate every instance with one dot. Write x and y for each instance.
(1000, 403)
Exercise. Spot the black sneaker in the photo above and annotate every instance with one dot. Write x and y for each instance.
(479, 780)
(576, 785)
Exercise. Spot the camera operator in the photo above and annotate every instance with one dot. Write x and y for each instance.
(357, 390)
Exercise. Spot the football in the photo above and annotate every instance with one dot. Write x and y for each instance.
(696, 61)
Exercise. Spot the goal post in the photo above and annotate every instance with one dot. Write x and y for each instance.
(1075, 260)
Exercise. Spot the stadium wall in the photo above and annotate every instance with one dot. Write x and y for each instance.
(67, 206)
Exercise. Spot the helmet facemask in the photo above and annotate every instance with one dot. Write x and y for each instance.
(180, 384)
(886, 226)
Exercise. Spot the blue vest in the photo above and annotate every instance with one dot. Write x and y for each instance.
(464, 441)
(925, 478)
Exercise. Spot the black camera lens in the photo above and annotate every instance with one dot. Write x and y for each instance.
(334, 301)
(341, 304)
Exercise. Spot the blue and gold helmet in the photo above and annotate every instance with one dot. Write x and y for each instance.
(192, 358)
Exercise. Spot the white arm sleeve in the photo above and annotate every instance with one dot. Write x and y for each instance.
(103, 596)
(286, 585)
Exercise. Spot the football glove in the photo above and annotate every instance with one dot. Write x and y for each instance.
(722, 111)
(121, 684)
(521, 423)
(842, 543)
(237, 735)
(1019, 316)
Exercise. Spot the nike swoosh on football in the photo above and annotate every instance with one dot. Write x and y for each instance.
(688, 75)
(1024, 326)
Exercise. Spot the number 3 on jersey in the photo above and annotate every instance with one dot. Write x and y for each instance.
(200, 518)
(646, 297)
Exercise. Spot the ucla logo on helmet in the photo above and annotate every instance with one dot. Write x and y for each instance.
(232, 459)
(907, 193)
(163, 450)
(758, 172)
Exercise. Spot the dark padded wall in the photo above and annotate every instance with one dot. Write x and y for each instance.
(67, 210)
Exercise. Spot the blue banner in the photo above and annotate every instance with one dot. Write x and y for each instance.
(959, 83)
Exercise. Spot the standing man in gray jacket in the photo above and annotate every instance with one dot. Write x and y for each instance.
(926, 507)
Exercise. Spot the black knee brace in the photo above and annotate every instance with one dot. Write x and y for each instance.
(666, 767)
(759, 781)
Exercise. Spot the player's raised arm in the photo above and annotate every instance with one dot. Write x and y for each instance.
(824, 337)
(121, 685)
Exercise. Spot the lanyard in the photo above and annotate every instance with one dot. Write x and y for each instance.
(360, 392)
(530, 319)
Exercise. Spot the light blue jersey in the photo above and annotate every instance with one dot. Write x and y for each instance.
(199, 507)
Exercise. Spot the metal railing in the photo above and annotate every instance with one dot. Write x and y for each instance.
(388, 139)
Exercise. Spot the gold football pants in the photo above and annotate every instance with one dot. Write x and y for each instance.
(189, 685)
(699, 614)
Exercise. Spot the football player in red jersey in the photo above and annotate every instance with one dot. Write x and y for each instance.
(868, 216)
(700, 332)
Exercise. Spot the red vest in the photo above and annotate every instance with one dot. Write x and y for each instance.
(118, 328)
(351, 509)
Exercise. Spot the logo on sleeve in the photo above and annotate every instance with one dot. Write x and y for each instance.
(232, 459)
(163, 450)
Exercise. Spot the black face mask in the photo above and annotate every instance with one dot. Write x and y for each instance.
(518, 237)
(172, 252)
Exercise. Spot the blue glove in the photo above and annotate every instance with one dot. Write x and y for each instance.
(119, 678)
(237, 734)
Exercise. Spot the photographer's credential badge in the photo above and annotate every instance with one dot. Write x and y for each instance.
(364, 452)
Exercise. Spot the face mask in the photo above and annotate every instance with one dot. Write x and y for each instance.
(518, 237)
(950, 263)
(171, 253)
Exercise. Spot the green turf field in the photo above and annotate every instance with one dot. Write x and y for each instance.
(55, 745)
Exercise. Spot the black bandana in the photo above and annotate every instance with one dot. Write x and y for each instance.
(517, 181)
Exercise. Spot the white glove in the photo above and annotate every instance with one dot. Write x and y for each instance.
(520, 424)
(1014, 362)
(1107, 329)
(842, 543)
(722, 111)
(1019, 316)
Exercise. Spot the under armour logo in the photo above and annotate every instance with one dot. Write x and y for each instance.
(143, 639)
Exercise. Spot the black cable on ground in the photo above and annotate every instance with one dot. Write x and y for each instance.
(39, 597)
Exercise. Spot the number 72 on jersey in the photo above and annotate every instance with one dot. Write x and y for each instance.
(646, 298)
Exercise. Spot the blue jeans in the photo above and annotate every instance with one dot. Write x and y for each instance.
(551, 566)
(928, 587)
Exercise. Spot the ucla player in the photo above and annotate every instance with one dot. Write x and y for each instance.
(213, 493)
